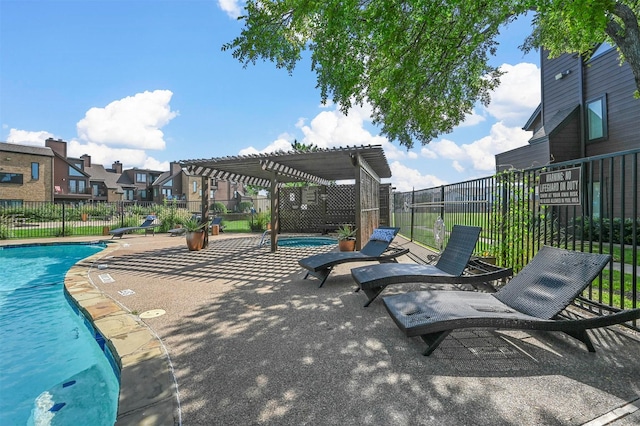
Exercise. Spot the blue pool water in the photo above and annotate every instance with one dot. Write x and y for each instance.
(305, 241)
(53, 371)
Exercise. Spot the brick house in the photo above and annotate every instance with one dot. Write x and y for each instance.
(26, 174)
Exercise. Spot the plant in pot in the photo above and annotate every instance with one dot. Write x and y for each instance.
(346, 238)
(195, 234)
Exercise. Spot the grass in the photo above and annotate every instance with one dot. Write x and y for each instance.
(610, 294)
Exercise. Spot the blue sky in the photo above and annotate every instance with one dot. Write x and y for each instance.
(145, 82)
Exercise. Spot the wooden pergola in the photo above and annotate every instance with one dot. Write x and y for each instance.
(364, 164)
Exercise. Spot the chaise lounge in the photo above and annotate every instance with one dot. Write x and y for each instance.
(454, 266)
(533, 300)
(377, 249)
(147, 225)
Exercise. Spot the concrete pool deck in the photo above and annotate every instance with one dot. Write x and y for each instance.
(249, 341)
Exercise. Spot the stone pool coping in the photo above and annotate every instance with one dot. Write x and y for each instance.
(148, 393)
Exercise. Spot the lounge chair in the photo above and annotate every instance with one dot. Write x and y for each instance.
(454, 266)
(533, 300)
(377, 249)
(147, 225)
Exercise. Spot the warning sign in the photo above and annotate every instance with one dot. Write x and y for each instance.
(560, 187)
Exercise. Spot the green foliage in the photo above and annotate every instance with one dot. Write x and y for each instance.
(605, 229)
(194, 225)
(511, 212)
(170, 215)
(421, 65)
(245, 206)
(259, 221)
(218, 208)
(345, 232)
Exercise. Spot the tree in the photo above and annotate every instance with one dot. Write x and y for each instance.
(578, 26)
(299, 146)
(421, 64)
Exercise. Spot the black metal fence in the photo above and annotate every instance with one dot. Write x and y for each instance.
(589, 205)
(45, 220)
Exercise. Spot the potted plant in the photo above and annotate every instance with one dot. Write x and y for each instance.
(195, 234)
(346, 238)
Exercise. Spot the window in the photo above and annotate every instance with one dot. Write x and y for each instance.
(596, 201)
(95, 190)
(11, 178)
(35, 171)
(74, 172)
(167, 192)
(10, 203)
(597, 118)
(141, 177)
(128, 194)
(77, 186)
(142, 193)
(168, 183)
(195, 187)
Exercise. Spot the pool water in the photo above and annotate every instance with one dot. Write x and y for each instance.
(305, 241)
(53, 369)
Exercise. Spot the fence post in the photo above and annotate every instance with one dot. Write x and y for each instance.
(63, 218)
(442, 202)
(413, 200)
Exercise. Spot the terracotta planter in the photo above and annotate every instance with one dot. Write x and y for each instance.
(195, 240)
(84, 216)
(347, 245)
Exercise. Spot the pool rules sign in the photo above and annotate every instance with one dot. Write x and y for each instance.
(560, 187)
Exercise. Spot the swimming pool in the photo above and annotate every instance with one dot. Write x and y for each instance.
(53, 369)
(306, 241)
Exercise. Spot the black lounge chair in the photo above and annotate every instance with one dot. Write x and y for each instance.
(454, 266)
(377, 249)
(533, 300)
(147, 225)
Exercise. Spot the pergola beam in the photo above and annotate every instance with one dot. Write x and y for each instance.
(290, 172)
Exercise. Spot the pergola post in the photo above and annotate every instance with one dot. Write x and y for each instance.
(204, 208)
(275, 206)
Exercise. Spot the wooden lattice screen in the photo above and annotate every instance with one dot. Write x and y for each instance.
(316, 209)
(369, 206)
(311, 209)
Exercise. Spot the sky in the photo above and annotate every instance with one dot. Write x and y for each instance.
(145, 82)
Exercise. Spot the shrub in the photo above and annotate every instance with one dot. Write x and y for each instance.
(218, 208)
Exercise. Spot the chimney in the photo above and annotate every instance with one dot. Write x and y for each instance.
(57, 146)
(117, 167)
(174, 168)
(87, 160)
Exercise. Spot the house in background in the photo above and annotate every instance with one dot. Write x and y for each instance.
(56, 177)
(103, 182)
(177, 184)
(26, 174)
(70, 180)
(588, 109)
(137, 183)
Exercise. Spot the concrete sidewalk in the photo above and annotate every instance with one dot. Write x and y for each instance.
(251, 342)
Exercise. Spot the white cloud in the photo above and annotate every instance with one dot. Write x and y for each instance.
(518, 94)
(279, 144)
(105, 155)
(472, 119)
(25, 137)
(446, 148)
(482, 152)
(406, 179)
(233, 8)
(134, 121)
